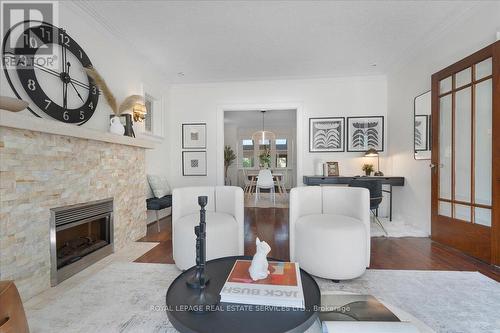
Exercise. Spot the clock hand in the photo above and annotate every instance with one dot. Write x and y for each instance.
(76, 91)
(65, 95)
(53, 72)
(80, 84)
(63, 77)
(69, 65)
(47, 70)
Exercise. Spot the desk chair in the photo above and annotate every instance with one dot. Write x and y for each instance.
(375, 188)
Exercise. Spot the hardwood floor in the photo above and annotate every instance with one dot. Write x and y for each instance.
(271, 225)
(161, 253)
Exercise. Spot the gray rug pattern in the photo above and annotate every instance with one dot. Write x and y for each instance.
(123, 297)
(447, 301)
(130, 297)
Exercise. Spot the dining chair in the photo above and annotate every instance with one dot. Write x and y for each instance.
(265, 181)
(282, 182)
(249, 183)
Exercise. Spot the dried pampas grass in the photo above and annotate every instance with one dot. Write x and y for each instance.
(108, 95)
(129, 103)
(118, 109)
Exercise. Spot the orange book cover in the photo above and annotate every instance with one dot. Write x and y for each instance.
(281, 274)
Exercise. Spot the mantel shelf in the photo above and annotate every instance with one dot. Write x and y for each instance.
(15, 120)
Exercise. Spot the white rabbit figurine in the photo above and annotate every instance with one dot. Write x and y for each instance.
(259, 268)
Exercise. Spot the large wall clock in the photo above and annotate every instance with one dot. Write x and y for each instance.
(57, 86)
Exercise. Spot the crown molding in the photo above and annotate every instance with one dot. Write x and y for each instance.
(88, 9)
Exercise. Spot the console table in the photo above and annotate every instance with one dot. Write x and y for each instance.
(241, 318)
(345, 180)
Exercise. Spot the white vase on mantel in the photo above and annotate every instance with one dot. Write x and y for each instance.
(115, 126)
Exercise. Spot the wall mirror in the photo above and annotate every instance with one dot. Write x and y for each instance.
(422, 125)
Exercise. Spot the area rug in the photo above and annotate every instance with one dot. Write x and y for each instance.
(129, 297)
(395, 228)
(265, 200)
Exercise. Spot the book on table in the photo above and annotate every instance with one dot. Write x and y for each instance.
(346, 313)
(345, 307)
(281, 288)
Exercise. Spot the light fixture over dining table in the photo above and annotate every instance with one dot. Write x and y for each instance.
(263, 136)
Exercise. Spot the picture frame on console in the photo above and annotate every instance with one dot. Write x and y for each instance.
(194, 163)
(194, 136)
(333, 169)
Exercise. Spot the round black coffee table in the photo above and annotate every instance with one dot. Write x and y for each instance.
(230, 317)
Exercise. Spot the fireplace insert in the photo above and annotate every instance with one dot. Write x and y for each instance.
(80, 235)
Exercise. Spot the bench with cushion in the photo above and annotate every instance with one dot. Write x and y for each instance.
(157, 204)
(162, 197)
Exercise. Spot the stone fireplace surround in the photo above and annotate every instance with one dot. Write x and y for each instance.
(46, 164)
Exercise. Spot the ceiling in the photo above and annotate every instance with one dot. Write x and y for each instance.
(253, 119)
(249, 40)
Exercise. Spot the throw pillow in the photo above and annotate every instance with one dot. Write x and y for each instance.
(159, 185)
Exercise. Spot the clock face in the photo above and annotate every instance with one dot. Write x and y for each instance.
(59, 88)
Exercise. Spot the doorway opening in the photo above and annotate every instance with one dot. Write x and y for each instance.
(266, 205)
(274, 155)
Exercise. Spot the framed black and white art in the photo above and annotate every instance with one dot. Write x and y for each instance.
(421, 132)
(194, 163)
(326, 134)
(194, 136)
(364, 133)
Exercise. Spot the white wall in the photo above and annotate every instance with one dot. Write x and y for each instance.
(412, 202)
(349, 96)
(124, 71)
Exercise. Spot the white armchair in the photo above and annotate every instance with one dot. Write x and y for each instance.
(330, 230)
(224, 219)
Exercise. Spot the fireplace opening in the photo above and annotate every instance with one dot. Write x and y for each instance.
(75, 242)
(80, 235)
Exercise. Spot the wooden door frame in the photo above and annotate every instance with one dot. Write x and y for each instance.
(485, 242)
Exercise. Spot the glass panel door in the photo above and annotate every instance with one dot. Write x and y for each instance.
(465, 182)
(465, 130)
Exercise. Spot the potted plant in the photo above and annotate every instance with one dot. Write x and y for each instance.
(265, 158)
(229, 157)
(367, 168)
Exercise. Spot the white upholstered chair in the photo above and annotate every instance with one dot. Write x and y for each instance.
(265, 181)
(330, 230)
(224, 220)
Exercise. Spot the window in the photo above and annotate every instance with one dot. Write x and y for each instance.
(148, 121)
(281, 153)
(247, 160)
(281, 160)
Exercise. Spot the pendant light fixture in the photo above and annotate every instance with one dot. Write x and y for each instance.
(263, 136)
